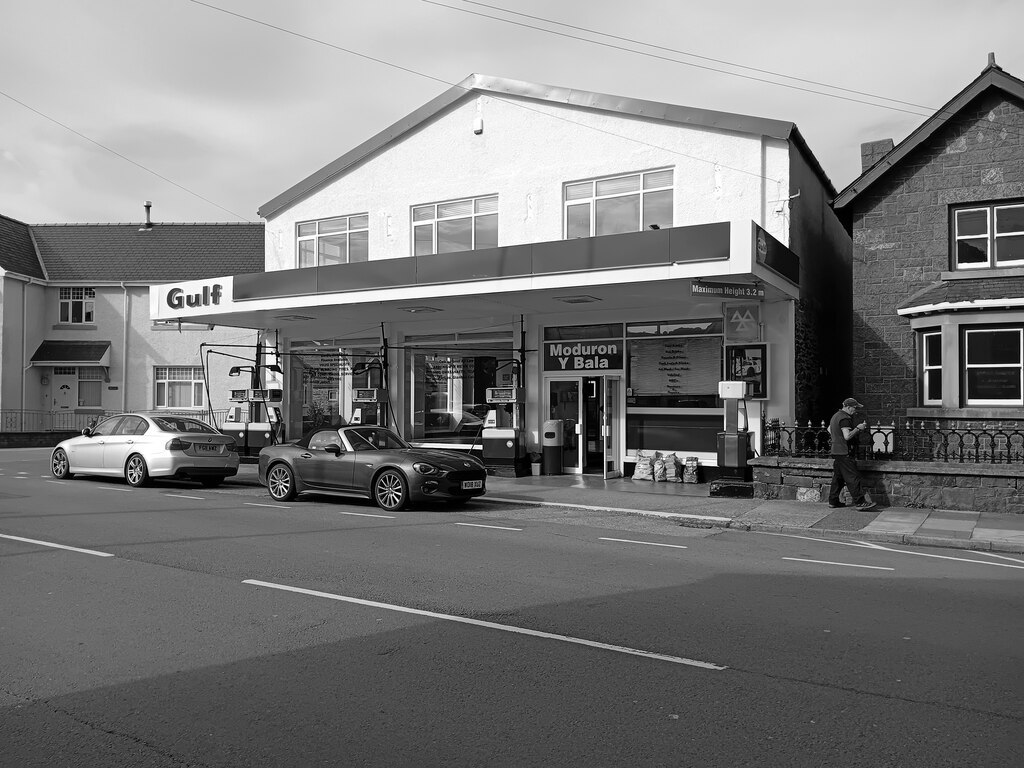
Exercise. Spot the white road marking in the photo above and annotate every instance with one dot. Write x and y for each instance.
(848, 565)
(272, 506)
(57, 546)
(496, 527)
(367, 514)
(488, 625)
(183, 496)
(57, 482)
(941, 557)
(594, 508)
(1002, 557)
(648, 543)
(880, 548)
(110, 488)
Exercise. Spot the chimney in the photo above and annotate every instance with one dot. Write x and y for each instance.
(873, 151)
(149, 224)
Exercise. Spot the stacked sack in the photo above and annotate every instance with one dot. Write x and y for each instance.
(658, 466)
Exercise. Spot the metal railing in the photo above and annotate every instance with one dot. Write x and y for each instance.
(17, 420)
(911, 441)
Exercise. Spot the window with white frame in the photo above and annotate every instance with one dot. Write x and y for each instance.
(931, 368)
(340, 240)
(616, 204)
(179, 387)
(90, 387)
(457, 225)
(77, 305)
(994, 366)
(988, 236)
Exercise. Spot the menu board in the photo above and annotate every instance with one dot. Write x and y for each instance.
(675, 366)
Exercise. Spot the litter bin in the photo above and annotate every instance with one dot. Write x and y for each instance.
(552, 442)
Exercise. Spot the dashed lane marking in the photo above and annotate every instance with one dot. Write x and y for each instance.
(847, 565)
(271, 506)
(367, 514)
(490, 625)
(648, 543)
(57, 546)
(496, 527)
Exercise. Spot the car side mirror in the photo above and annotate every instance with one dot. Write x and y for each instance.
(334, 448)
(87, 431)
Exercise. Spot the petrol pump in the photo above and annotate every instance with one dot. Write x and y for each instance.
(258, 423)
(504, 441)
(367, 403)
(734, 444)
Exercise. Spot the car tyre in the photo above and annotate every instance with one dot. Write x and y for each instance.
(211, 482)
(60, 465)
(136, 473)
(390, 491)
(281, 482)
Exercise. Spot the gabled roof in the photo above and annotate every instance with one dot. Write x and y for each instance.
(17, 252)
(474, 84)
(162, 253)
(992, 76)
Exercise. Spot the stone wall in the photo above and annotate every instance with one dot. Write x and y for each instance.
(936, 485)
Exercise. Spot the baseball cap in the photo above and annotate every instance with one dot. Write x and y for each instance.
(850, 401)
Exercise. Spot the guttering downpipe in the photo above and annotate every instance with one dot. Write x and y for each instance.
(124, 344)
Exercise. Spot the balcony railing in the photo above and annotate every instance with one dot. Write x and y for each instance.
(911, 441)
(17, 420)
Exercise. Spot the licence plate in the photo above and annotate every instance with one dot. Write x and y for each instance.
(207, 448)
(468, 485)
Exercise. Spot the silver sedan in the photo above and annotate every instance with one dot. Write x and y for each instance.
(138, 447)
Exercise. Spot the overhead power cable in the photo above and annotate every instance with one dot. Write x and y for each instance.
(123, 157)
(493, 95)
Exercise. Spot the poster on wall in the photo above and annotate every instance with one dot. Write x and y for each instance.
(748, 362)
(742, 322)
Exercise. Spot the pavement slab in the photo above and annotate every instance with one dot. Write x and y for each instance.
(903, 521)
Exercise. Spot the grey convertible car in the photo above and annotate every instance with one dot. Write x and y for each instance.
(371, 462)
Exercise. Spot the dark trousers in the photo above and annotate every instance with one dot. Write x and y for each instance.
(845, 472)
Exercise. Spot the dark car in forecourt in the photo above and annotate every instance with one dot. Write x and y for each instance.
(369, 462)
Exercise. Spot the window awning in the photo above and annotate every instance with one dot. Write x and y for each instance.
(72, 353)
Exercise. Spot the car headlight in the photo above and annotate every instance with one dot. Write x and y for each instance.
(427, 469)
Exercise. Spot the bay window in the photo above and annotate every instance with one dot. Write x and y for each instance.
(994, 366)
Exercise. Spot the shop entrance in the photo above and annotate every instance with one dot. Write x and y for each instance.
(590, 411)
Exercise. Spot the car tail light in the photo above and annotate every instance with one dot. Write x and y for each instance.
(177, 444)
(232, 447)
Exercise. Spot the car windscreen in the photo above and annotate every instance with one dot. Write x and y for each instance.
(376, 438)
(178, 424)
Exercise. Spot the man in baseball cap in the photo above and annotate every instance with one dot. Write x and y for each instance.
(844, 465)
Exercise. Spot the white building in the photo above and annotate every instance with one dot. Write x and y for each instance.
(612, 258)
(76, 336)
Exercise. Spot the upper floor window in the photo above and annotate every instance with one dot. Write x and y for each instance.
(341, 240)
(458, 225)
(994, 366)
(179, 387)
(618, 204)
(988, 236)
(77, 305)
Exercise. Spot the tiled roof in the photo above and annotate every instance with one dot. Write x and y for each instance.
(17, 254)
(960, 291)
(166, 252)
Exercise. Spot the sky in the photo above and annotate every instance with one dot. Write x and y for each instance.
(211, 109)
